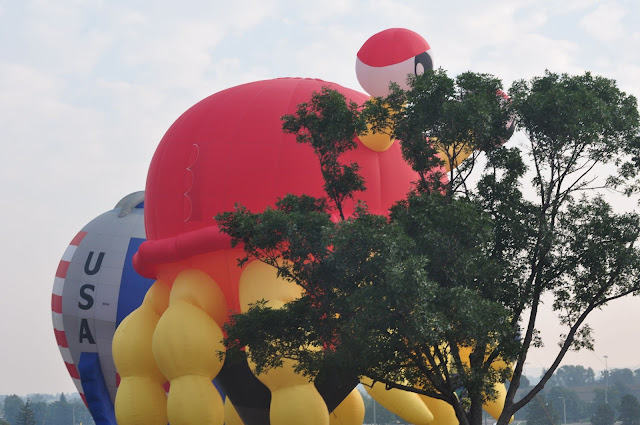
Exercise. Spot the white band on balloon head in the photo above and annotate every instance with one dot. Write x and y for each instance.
(375, 80)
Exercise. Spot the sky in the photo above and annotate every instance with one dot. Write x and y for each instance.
(88, 88)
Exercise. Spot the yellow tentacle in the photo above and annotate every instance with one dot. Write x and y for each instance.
(294, 399)
(186, 344)
(141, 398)
(405, 404)
(350, 411)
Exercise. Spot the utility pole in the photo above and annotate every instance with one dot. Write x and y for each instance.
(606, 379)
(564, 408)
(374, 411)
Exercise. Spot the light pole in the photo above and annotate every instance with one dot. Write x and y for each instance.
(606, 379)
(374, 411)
(564, 408)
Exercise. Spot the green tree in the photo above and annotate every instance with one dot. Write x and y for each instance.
(40, 410)
(13, 405)
(329, 140)
(574, 124)
(346, 268)
(573, 376)
(604, 415)
(444, 293)
(562, 398)
(80, 412)
(3, 422)
(26, 415)
(613, 396)
(541, 412)
(622, 377)
(60, 411)
(629, 409)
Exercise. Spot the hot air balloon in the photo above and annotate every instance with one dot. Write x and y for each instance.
(230, 148)
(391, 56)
(200, 168)
(95, 287)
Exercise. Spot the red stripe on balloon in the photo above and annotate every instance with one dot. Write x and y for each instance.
(56, 303)
(76, 241)
(63, 266)
(118, 379)
(84, 400)
(61, 338)
(73, 370)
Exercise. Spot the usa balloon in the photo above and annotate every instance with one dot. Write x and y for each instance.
(95, 288)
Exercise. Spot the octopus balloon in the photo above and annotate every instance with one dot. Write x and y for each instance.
(230, 148)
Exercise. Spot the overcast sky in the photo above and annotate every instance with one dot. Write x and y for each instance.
(88, 88)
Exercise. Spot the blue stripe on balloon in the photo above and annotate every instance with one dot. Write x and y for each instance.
(133, 287)
(95, 389)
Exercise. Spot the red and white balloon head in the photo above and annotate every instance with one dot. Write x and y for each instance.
(391, 56)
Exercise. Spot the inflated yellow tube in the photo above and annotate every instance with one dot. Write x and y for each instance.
(350, 411)
(260, 281)
(141, 399)
(405, 404)
(294, 399)
(378, 142)
(443, 413)
(186, 344)
(495, 407)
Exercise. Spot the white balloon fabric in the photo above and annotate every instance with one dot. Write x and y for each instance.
(95, 288)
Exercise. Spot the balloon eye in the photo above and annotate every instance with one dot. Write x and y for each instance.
(423, 62)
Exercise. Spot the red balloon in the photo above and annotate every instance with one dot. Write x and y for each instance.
(230, 148)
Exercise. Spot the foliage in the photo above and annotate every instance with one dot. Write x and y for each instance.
(329, 125)
(59, 412)
(26, 415)
(13, 405)
(564, 398)
(629, 409)
(541, 412)
(436, 295)
(455, 117)
(624, 377)
(613, 397)
(604, 415)
(580, 250)
(573, 376)
(40, 410)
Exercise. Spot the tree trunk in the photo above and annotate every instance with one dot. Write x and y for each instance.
(475, 412)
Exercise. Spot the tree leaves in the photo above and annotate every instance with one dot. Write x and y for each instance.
(443, 294)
